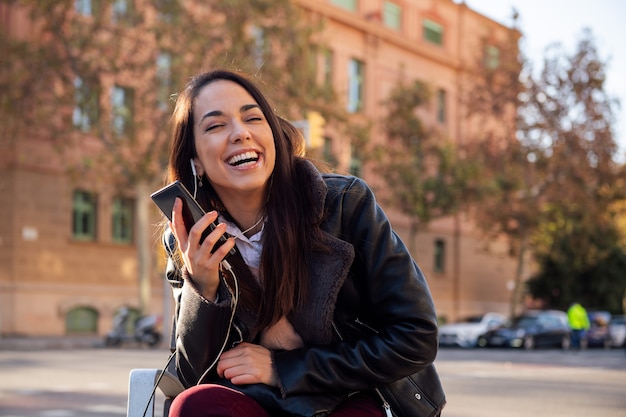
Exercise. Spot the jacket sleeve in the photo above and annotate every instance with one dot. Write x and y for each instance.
(386, 294)
(201, 326)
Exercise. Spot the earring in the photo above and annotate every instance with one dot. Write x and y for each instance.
(200, 181)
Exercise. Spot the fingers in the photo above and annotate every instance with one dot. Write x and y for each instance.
(247, 364)
(215, 242)
(201, 265)
(196, 231)
(177, 224)
(206, 223)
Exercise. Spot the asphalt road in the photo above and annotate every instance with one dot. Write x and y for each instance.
(478, 383)
(542, 383)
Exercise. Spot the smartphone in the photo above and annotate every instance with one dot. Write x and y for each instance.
(192, 212)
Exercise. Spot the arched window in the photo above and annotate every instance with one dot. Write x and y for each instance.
(81, 319)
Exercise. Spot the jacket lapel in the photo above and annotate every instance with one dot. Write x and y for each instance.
(313, 320)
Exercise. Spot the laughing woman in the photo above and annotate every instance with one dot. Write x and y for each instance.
(321, 311)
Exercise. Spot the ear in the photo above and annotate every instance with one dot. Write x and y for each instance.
(199, 168)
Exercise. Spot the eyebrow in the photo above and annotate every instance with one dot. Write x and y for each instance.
(242, 109)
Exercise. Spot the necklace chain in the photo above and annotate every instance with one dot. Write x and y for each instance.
(253, 226)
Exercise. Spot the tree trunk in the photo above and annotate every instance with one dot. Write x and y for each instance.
(456, 270)
(144, 256)
(517, 288)
(413, 229)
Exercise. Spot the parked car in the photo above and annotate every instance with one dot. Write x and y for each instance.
(598, 333)
(617, 331)
(465, 333)
(534, 328)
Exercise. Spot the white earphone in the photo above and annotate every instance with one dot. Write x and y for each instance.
(193, 168)
(195, 178)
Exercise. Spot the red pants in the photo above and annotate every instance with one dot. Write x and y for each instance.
(209, 400)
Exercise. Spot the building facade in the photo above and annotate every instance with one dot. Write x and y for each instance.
(374, 44)
(70, 257)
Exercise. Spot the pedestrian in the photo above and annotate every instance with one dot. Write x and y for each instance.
(321, 308)
(578, 323)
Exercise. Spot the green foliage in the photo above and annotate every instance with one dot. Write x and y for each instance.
(578, 245)
(598, 283)
(508, 190)
(58, 74)
(425, 177)
(103, 49)
(550, 174)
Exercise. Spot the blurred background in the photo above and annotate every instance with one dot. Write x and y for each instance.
(543, 26)
(498, 161)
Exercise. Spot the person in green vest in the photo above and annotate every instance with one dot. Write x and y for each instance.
(578, 322)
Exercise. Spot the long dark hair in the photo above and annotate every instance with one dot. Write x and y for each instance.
(290, 232)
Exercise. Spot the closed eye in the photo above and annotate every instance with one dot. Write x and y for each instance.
(212, 127)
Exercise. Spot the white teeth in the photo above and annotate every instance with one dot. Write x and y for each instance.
(243, 157)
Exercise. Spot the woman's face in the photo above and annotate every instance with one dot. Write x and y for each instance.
(233, 139)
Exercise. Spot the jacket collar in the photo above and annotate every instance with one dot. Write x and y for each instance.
(327, 273)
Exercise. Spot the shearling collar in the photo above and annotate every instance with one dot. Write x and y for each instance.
(313, 178)
(327, 273)
(328, 270)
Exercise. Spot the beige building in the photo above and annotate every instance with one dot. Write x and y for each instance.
(69, 255)
(376, 42)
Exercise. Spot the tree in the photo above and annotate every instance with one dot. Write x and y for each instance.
(94, 79)
(570, 115)
(510, 185)
(425, 178)
(580, 260)
(553, 178)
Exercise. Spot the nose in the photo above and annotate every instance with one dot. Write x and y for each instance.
(240, 132)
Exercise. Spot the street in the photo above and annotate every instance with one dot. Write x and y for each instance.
(478, 383)
(541, 383)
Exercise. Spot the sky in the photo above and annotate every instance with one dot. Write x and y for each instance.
(544, 22)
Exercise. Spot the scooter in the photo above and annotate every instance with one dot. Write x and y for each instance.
(144, 331)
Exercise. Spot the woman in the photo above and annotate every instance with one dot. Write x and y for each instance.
(320, 305)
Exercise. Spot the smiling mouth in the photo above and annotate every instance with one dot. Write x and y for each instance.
(247, 158)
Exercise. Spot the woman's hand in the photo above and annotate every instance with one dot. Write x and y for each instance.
(247, 363)
(202, 265)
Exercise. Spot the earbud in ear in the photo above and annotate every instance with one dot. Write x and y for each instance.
(193, 168)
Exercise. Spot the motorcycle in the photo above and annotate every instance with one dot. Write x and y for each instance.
(144, 330)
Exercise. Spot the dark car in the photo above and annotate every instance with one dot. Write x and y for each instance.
(598, 333)
(534, 328)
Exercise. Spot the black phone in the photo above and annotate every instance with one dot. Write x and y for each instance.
(192, 212)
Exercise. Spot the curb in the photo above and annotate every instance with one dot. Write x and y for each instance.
(43, 343)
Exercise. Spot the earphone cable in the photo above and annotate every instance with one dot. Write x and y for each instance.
(195, 178)
(156, 383)
(235, 297)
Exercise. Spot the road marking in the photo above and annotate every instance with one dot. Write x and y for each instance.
(105, 408)
(58, 413)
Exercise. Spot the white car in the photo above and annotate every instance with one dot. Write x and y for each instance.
(465, 333)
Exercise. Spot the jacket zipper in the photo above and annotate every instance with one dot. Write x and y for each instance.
(358, 321)
(367, 326)
(386, 405)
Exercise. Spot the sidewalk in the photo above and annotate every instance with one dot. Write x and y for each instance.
(52, 342)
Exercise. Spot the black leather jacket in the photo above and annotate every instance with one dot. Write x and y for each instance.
(369, 319)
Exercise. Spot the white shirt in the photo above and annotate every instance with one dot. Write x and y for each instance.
(282, 334)
(250, 248)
